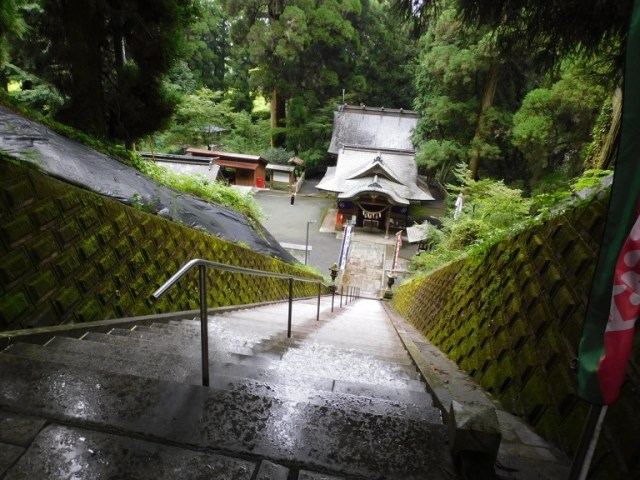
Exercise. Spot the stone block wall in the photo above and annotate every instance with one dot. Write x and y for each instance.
(512, 319)
(68, 255)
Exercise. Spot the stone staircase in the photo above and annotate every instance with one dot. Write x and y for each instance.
(340, 399)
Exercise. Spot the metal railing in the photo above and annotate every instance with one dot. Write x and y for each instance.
(352, 294)
(203, 265)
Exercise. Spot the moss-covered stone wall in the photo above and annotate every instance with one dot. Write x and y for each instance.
(69, 255)
(513, 320)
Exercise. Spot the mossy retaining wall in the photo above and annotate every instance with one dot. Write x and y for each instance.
(68, 255)
(513, 320)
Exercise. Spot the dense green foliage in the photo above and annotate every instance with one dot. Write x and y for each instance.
(492, 211)
(496, 110)
(518, 91)
(107, 60)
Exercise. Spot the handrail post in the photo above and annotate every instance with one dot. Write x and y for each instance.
(319, 291)
(290, 306)
(333, 295)
(341, 288)
(204, 330)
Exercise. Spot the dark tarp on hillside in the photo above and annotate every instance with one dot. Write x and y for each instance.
(80, 165)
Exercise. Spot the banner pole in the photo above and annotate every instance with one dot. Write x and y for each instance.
(588, 442)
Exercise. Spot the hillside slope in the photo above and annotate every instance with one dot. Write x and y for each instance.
(82, 166)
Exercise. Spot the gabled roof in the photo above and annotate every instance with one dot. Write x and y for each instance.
(376, 167)
(373, 128)
(355, 174)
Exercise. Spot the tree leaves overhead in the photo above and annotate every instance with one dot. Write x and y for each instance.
(109, 59)
(554, 27)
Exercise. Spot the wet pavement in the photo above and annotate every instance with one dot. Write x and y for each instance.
(288, 224)
(337, 400)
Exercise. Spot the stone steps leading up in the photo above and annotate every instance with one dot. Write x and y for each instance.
(376, 342)
(241, 425)
(301, 408)
(123, 359)
(277, 342)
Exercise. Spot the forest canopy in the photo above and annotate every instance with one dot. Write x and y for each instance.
(523, 91)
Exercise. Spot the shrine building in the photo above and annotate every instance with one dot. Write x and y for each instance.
(375, 178)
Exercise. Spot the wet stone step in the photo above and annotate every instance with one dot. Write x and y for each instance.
(132, 344)
(178, 343)
(123, 359)
(100, 362)
(385, 339)
(278, 342)
(68, 452)
(315, 438)
(273, 348)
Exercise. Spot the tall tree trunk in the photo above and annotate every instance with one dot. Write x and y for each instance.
(606, 153)
(83, 27)
(278, 117)
(487, 101)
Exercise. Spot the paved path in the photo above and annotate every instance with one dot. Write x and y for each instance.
(365, 268)
(288, 224)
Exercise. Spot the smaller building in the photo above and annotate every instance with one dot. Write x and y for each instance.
(284, 175)
(236, 168)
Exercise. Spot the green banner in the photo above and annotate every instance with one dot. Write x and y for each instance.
(593, 382)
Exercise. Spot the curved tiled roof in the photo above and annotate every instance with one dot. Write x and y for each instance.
(356, 171)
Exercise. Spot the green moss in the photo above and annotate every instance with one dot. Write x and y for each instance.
(17, 230)
(44, 247)
(45, 214)
(14, 265)
(67, 232)
(65, 299)
(41, 284)
(89, 247)
(106, 261)
(12, 305)
(90, 310)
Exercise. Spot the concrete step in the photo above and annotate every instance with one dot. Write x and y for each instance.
(385, 340)
(153, 347)
(300, 355)
(181, 344)
(311, 437)
(277, 342)
(187, 369)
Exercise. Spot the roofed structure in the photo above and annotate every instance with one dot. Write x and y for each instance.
(372, 128)
(376, 177)
(237, 168)
(365, 170)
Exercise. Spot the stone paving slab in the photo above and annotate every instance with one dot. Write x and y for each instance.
(68, 452)
(305, 475)
(322, 438)
(9, 454)
(271, 471)
(17, 429)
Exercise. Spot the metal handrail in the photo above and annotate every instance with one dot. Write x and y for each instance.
(203, 265)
